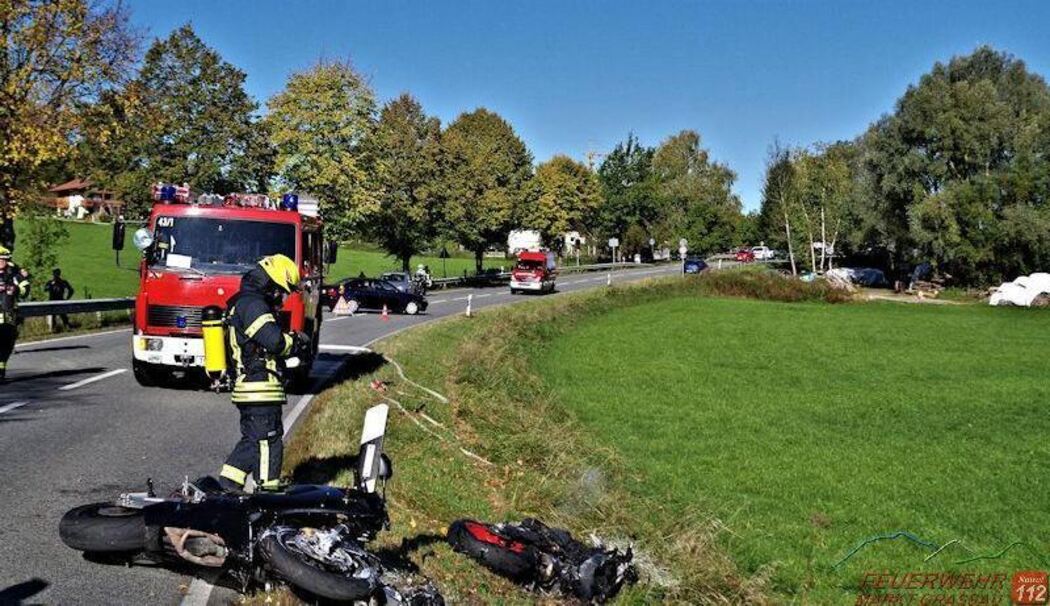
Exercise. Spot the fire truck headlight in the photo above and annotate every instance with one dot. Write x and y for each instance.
(147, 344)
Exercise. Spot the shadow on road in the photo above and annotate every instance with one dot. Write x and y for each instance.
(18, 594)
(56, 374)
(55, 348)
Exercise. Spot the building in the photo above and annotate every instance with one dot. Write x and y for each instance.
(80, 199)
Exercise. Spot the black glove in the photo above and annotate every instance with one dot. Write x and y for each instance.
(300, 346)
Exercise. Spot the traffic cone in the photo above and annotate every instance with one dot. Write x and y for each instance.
(386, 313)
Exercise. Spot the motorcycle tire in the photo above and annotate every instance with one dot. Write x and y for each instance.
(504, 556)
(103, 528)
(310, 575)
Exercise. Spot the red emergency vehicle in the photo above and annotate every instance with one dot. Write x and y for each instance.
(194, 257)
(535, 271)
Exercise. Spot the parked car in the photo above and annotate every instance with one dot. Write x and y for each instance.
(745, 255)
(694, 265)
(368, 293)
(762, 253)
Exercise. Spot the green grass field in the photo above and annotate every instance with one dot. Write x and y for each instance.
(806, 428)
(743, 446)
(88, 262)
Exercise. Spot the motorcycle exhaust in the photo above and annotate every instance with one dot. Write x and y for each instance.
(211, 551)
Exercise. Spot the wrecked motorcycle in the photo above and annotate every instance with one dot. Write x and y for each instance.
(310, 536)
(545, 559)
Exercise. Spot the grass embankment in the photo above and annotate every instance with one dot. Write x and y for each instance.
(808, 428)
(545, 463)
(87, 261)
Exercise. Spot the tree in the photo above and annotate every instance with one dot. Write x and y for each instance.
(55, 54)
(319, 125)
(487, 179)
(775, 212)
(694, 194)
(567, 195)
(406, 150)
(39, 252)
(959, 162)
(185, 118)
(628, 189)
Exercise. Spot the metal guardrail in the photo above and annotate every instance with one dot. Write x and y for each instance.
(80, 306)
(33, 309)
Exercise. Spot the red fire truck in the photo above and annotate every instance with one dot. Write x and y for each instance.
(194, 257)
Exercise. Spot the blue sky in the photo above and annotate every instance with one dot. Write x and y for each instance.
(574, 76)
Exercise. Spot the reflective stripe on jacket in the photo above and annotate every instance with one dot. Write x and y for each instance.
(257, 345)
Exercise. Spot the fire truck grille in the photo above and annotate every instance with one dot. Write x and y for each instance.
(178, 316)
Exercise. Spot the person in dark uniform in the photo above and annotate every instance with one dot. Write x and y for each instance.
(7, 233)
(13, 286)
(259, 348)
(58, 289)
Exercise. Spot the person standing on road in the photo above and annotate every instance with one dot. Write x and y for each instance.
(13, 286)
(58, 289)
(259, 348)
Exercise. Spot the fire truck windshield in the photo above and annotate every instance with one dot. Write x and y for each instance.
(213, 245)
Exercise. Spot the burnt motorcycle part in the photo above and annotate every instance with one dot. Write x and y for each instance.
(543, 558)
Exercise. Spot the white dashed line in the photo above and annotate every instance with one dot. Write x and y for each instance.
(91, 380)
(351, 348)
(12, 406)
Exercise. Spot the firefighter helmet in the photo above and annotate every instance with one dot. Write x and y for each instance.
(4, 252)
(282, 270)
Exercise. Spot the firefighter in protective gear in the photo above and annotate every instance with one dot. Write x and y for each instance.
(14, 285)
(259, 348)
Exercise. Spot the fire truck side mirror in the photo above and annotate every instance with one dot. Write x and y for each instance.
(331, 252)
(142, 239)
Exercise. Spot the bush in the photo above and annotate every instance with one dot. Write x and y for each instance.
(768, 285)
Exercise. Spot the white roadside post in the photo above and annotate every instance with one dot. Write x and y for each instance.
(608, 279)
(470, 300)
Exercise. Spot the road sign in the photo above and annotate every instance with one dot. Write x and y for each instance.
(682, 250)
(614, 242)
(683, 243)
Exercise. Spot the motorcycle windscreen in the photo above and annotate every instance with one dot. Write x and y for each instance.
(369, 458)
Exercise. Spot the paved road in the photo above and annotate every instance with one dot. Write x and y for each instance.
(75, 428)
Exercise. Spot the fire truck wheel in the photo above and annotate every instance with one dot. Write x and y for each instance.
(147, 374)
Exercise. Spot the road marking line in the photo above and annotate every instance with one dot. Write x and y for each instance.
(482, 296)
(12, 406)
(336, 319)
(439, 301)
(90, 380)
(353, 348)
(198, 593)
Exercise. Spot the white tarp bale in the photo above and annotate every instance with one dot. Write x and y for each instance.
(1022, 291)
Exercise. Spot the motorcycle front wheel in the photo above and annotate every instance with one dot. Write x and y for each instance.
(103, 528)
(291, 556)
